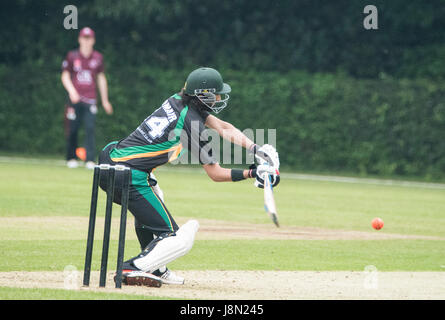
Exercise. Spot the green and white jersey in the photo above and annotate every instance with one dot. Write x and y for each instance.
(163, 135)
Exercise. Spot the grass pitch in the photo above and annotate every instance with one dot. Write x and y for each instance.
(54, 202)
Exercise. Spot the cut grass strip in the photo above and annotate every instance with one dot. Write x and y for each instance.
(288, 255)
(9, 293)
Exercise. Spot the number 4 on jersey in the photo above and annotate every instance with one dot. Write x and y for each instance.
(157, 126)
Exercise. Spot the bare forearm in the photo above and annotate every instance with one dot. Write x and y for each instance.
(218, 174)
(67, 83)
(228, 132)
(221, 175)
(235, 136)
(103, 86)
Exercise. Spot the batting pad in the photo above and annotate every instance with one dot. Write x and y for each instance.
(169, 249)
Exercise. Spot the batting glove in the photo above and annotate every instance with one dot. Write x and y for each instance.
(267, 155)
(260, 171)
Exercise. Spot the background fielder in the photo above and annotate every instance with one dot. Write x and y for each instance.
(80, 71)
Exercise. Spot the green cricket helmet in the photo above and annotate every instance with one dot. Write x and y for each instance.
(205, 84)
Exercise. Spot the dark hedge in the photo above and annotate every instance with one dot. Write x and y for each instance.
(341, 98)
(323, 121)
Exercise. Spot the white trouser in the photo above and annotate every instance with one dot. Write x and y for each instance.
(157, 188)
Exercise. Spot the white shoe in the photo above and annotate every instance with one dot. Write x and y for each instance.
(90, 165)
(169, 277)
(140, 278)
(72, 164)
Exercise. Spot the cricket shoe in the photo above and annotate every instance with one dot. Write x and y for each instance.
(72, 164)
(90, 165)
(140, 278)
(169, 277)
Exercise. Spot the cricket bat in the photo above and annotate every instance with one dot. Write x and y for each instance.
(269, 201)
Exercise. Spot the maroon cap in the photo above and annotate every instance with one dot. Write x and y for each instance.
(86, 32)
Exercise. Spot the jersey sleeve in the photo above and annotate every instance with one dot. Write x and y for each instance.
(67, 63)
(204, 114)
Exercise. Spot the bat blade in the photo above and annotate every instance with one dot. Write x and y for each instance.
(269, 201)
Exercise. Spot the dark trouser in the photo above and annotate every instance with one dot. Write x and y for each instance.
(144, 234)
(151, 215)
(86, 113)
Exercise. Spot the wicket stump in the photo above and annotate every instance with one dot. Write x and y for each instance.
(111, 172)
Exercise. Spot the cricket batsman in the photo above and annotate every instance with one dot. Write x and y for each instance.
(178, 124)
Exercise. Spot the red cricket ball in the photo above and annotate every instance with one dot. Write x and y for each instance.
(377, 223)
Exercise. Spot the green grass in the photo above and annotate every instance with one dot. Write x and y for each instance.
(289, 255)
(44, 190)
(50, 193)
(7, 293)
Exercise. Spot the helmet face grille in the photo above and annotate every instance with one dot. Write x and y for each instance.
(209, 99)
